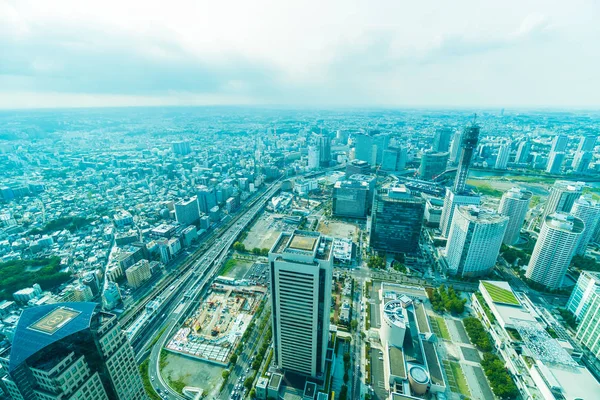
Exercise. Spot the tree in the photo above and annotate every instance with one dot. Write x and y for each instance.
(353, 324)
(225, 374)
(248, 382)
(346, 358)
(233, 359)
(346, 377)
(376, 262)
(237, 246)
(343, 393)
(256, 251)
(252, 393)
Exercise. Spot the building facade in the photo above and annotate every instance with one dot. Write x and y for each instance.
(187, 211)
(514, 205)
(562, 196)
(588, 211)
(451, 201)
(432, 164)
(588, 286)
(350, 199)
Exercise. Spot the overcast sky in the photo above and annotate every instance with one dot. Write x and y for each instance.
(374, 53)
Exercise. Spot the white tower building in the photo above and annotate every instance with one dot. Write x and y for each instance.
(514, 205)
(562, 196)
(503, 156)
(588, 211)
(313, 157)
(474, 241)
(552, 254)
(451, 201)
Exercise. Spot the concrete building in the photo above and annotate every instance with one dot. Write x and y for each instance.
(23, 296)
(523, 152)
(432, 164)
(503, 156)
(357, 167)
(187, 211)
(587, 143)
(559, 143)
(562, 196)
(370, 147)
(207, 198)
(451, 201)
(587, 287)
(581, 161)
(70, 351)
(350, 199)
(324, 143)
(474, 241)
(394, 159)
(588, 330)
(181, 148)
(138, 273)
(553, 251)
(301, 266)
(555, 161)
(441, 139)
(588, 211)
(111, 296)
(313, 157)
(433, 211)
(455, 148)
(396, 221)
(514, 205)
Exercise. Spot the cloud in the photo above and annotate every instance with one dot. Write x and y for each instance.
(315, 53)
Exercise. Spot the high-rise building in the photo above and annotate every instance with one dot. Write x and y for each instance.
(313, 157)
(514, 205)
(187, 211)
(523, 152)
(301, 266)
(587, 287)
(455, 148)
(562, 196)
(350, 199)
(588, 211)
(581, 161)
(182, 148)
(394, 159)
(396, 221)
(555, 161)
(503, 156)
(553, 251)
(587, 143)
(357, 167)
(451, 201)
(588, 330)
(138, 273)
(559, 143)
(369, 147)
(432, 164)
(207, 198)
(441, 139)
(474, 241)
(468, 144)
(324, 143)
(70, 351)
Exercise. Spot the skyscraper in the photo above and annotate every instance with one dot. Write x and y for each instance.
(468, 143)
(562, 196)
(587, 143)
(394, 159)
(207, 198)
(396, 221)
(301, 274)
(324, 143)
(587, 287)
(350, 199)
(582, 160)
(553, 251)
(523, 152)
(181, 148)
(503, 156)
(588, 331)
(455, 148)
(369, 147)
(588, 211)
(559, 143)
(441, 139)
(514, 205)
(555, 161)
(474, 241)
(187, 211)
(313, 157)
(70, 351)
(432, 164)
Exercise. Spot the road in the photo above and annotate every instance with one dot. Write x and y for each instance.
(198, 278)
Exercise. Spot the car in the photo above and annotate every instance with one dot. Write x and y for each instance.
(152, 379)
(380, 358)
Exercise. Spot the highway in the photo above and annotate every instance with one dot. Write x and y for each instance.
(196, 279)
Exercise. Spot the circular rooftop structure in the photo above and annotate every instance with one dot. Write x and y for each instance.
(394, 313)
(393, 323)
(418, 378)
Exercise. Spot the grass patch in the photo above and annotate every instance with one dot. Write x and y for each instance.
(500, 295)
(459, 378)
(146, 381)
(443, 328)
(485, 188)
(229, 265)
(177, 384)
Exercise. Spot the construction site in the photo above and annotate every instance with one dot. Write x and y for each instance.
(213, 330)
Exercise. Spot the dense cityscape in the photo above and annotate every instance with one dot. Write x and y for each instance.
(247, 253)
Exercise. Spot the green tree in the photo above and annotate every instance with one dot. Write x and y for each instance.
(353, 324)
(237, 246)
(252, 393)
(248, 382)
(346, 377)
(225, 374)
(264, 252)
(233, 359)
(256, 251)
(376, 262)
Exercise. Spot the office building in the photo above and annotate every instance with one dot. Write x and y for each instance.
(474, 241)
(138, 273)
(588, 211)
(187, 211)
(503, 156)
(588, 330)
(587, 143)
(301, 266)
(553, 251)
(581, 161)
(559, 143)
(181, 148)
(70, 351)
(555, 161)
(394, 159)
(441, 139)
(562, 196)
(523, 152)
(350, 199)
(313, 157)
(451, 201)
(455, 148)
(207, 198)
(396, 221)
(432, 164)
(587, 287)
(111, 296)
(357, 167)
(370, 146)
(514, 205)
(324, 143)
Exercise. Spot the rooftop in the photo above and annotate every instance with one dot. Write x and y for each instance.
(306, 243)
(54, 320)
(421, 318)
(396, 357)
(500, 294)
(433, 363)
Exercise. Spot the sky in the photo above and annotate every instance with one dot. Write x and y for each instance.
(378, 53)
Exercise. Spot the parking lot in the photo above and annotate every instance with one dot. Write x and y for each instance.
(377, 377)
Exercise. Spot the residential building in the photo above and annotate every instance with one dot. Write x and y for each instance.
(396, 221)
(70, 351)
(187, 211)
(301, 265)
(555, 161)
(581, 161)
(523, 152)
(474, 241)
(562, 196)
(514, 205)
(441, 139)
(553, 251)
(503, 156)
(181, 148)
(313, 157)
(587, 143)
(138, 273)
(587, 287)
(588, 210)
(451, 201)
